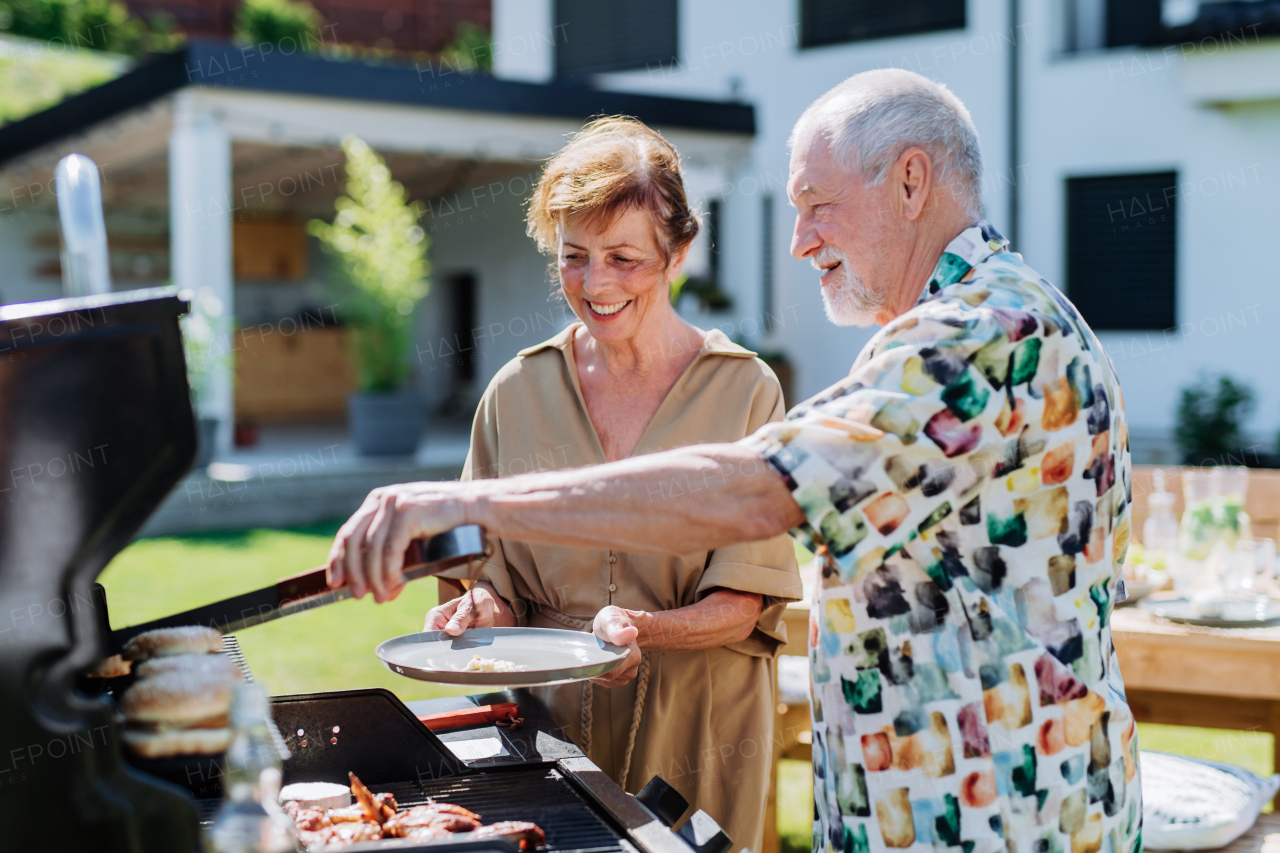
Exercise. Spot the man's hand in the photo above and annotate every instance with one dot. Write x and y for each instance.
(368, 552)
(479, 608)
(620, 627)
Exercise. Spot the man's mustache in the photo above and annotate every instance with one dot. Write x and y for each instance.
(828, 258)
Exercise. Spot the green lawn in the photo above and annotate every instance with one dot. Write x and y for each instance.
(332, 648)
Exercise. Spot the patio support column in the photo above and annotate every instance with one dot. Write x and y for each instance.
(200, 241)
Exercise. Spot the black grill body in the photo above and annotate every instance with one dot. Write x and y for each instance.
(96, 427)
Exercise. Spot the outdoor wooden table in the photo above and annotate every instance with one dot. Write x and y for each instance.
(1188, 676)
(1262, 837)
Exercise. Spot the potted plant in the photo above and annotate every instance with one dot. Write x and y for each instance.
(381, 271)
(1210, 421)
(200, 329)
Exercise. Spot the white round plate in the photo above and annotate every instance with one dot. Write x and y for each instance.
(541, 656)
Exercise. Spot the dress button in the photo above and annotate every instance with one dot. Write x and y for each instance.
(613, 587)
(613, 558)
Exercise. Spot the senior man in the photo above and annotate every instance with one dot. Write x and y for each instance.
(966, 488)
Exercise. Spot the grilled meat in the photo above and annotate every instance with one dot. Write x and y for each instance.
(377, 816)
(527, 835)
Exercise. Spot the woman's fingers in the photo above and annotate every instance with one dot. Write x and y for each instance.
(463, 617)
(623, 674)
(438, 617)
(614, 625)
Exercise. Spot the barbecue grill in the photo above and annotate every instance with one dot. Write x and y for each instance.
(96, 427)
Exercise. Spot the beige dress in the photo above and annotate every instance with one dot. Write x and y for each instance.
(705, 718)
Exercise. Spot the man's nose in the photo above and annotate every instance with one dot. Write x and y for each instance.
(804, 239)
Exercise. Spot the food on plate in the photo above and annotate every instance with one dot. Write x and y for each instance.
(375, 817)
(316, 795)
(113, 667)
(480, 664)
(164, 642)
(218, 665)
(178, 713)
(1144, 571)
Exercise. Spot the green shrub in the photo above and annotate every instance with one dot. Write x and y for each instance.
(1209, 420)
(94, 24)
(277, 21)
(471, 48)
(382, 266)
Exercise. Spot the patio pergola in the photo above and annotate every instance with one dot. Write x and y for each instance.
(215, 131)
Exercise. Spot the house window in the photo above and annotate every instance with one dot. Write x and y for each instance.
(1098, 24)
(619, 35)
(825, 22)
(1122, 250)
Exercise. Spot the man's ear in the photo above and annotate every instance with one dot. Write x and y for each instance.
(914, 174)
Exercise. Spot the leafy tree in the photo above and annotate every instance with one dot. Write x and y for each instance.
(277, 21)
(382, 266)
(1209, 419)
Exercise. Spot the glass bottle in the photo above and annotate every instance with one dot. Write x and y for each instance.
(1160, 530)
(1230, 485)
(250, 819)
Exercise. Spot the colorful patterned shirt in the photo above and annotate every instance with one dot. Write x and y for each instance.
(965, 690)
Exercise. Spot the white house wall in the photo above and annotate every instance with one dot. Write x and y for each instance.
(1127, 111)
(1111, 112)
(749, 49)
(514, 305)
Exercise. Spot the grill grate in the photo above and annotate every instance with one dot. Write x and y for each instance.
(231, 648)
(538, 794)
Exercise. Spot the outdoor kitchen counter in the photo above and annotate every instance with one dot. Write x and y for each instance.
(538, 738)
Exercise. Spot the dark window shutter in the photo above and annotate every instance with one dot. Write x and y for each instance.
(1122, 250)
(836, 21)
(618, 35)
(1132, 21)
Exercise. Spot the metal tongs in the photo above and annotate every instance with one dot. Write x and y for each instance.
(309, 590)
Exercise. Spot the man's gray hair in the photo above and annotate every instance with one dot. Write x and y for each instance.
(872, 117)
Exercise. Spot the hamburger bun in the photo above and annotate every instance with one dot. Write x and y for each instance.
(178, 698)
(176, 742)
(216, 665)
(164, 642)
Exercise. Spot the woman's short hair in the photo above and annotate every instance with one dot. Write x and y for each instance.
(613, 164)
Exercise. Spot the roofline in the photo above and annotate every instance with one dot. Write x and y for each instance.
(222, 65)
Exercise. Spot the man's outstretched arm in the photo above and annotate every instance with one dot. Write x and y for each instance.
(681, 501)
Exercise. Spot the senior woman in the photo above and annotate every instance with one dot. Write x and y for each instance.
(632, 378)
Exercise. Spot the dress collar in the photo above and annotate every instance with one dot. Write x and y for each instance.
(716, 343)
(972, 247)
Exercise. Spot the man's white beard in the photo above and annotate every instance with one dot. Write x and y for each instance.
(848, 301)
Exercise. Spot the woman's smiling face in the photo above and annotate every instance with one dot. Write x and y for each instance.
(617, 277)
